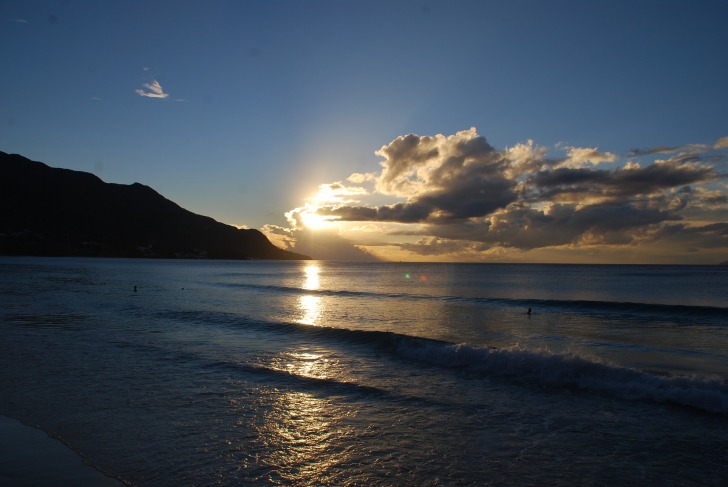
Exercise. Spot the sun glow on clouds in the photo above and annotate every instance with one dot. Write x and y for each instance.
(332, 194)
(458, 198)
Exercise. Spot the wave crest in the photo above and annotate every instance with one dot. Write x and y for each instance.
(547, 369)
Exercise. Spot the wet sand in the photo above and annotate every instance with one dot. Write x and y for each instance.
(30, 458)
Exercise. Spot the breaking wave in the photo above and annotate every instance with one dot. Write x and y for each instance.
(542, 368)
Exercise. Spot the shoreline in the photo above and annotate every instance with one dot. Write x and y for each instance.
(29, 457)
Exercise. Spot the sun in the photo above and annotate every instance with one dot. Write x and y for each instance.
(328, 196)
(314, 221)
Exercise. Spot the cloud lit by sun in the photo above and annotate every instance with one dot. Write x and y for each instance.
(457, 197)
(312, 220)
(328, 195)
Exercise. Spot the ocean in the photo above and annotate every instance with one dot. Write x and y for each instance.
(226, 373)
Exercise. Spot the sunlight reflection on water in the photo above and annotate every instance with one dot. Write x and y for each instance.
(305, 428)
(306, 364)
(311, 309)
(310, 306)
(312, 277)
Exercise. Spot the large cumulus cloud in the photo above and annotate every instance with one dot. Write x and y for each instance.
(459, 192)
(443, 179)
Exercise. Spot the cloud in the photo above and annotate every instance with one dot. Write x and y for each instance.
(577, 184)
(321, 245)
(525, 228)
(442, 178)
(399, 212)
(359, 178)
(433, 246)
(459, 197)
(525, 158)
(582, 156)
(654, 150)
(337, 193)
(152, 90)
(721, 143)
(710, 198)
(693, 148)
(415, 166)
(711, 236)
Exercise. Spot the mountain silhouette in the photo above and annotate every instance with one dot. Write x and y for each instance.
(60, 212)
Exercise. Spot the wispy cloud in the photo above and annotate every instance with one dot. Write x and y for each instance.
(669, 150)
(18, 21)
(152, 90)
(461, 196)
(721, 143)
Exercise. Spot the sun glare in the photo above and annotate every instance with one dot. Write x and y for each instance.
(314, 221)
(327, 196)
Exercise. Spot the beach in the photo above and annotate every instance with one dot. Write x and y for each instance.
(30, 458)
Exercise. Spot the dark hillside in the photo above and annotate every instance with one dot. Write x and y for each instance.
(52, 211)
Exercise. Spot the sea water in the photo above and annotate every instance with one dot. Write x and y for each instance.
(181, 373)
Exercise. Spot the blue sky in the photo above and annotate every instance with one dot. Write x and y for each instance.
(257, 104)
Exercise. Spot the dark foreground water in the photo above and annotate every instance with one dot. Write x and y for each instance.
(318, 373)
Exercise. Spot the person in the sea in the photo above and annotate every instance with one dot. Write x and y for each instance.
(528, 312)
